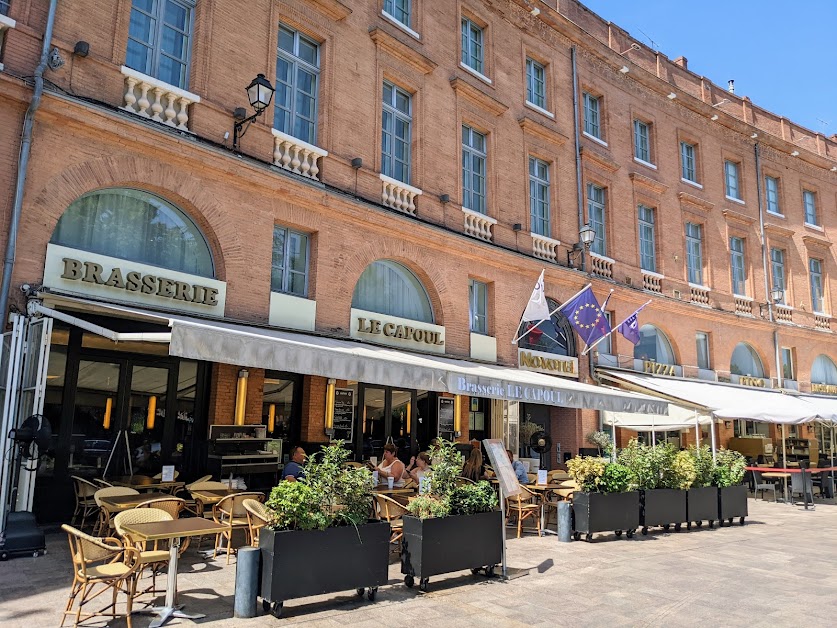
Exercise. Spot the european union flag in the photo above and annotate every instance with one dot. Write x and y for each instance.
(586, 316)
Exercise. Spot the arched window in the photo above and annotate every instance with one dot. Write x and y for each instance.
(653, 345)
(556, 338)
(745, 361)
(387, 287)
(823, 371)
(135, 226)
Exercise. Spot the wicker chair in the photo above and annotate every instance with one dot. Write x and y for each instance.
(461, 481)
(154, 557)
(172, 505)
(86, 505)
(389, 510)
(102, 563)
(195, 505)
(257, 518)
(230, 513)
(102, 483)
(104, 524)
(524, 505)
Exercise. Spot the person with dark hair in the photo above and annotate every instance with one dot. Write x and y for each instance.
(474, 468)
(391, 466)
(419, 466)
(519, 469)
(293, 470)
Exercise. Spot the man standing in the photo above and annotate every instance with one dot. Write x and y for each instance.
(293, 470)
(519, 469)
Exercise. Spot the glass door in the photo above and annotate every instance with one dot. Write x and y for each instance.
(401, 421)
(387, 416)
(374, 427)
(147, 417)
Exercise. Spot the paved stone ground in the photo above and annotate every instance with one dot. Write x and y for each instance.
(778, 570)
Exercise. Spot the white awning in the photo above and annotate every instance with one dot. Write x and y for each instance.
(826, 407)
(722, 400)
(268, 348)
(678, 418)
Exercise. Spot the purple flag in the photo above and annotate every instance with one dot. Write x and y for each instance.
(586, 316)
(630, 328)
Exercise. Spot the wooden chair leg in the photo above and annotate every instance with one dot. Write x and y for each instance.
(519, 523)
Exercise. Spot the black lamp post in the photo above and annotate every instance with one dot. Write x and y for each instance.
(586, 236)
(259, 93)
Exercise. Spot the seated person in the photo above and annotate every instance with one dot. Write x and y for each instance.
(419, 466)
(391, 466)
(519, 469)
(293, 470)
(474, 468)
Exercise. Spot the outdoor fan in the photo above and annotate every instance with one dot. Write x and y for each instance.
(541, 442)
(35, 429)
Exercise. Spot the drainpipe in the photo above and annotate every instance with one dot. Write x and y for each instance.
(23, 160)
(578, 184)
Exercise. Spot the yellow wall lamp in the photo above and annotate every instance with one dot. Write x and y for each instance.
(329, 408)
(241, 396)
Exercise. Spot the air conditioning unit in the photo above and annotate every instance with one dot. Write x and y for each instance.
(629, 281)
(677, 294)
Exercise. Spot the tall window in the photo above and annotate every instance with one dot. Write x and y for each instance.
(399, 10)
(596, 217)
(592, 125)
(606, 345)
(473, 169)
(478, 303)
(535, 83)
(745, 361)
(539, 196)
(739, 274)
(788, 372)
(731, 179)
(647, 246)
(809, 199)
(771, 187)
(694, 253)
(4, 7)
(297, 79)
(289, 270)
(702, 346)
(815, 277)
(642, 144)
(687, 162)
(472, 45)
(396, 124)
(159, 36)
(823, 371)
(777, 268)
(387, 287)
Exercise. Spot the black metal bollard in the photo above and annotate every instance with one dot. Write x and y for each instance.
(565, 522)
(246, 581)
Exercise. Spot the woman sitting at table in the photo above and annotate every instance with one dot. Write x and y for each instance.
(419, 466)
(474, 468)
(391, 466)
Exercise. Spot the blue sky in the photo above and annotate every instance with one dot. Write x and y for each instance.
(783, 55)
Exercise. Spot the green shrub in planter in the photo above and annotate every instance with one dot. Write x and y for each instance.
(606, 499)
(732, 495)
(704, 465)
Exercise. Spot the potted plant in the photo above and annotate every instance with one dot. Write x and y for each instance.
(732, 494)
(702, 497)
(319, 538)
(450, 527)
(606, 499)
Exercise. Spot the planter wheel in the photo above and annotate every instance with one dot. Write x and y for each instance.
(688, 525)
(476, 570)
(711, 523)
(409, 581)
(698, 523)
(423, 584)
(576, 536)
(489, 571)
(4, 556)
(360, 591)
(370, 594)
(667, 527)
(741, 521)
(630, 533)
(730, 520)
(677, 527)
(618, 533)
(644, 531)
(589, 537)
(274, 608)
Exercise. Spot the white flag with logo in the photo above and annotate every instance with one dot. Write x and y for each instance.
(537, 309)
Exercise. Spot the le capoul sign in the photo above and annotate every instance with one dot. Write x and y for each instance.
(397, 332)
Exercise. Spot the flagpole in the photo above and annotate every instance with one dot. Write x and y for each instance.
(524, 334)
(615, 328)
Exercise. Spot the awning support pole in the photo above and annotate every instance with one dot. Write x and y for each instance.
(784, 462)
(712, 437)
(697, 429)
(613, 430)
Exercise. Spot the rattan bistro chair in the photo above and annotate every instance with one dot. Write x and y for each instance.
(524, 505)
(195, 505)
(153, 555)
(172, 505)
(257, 518)
(103, 563)
(230, 513)
(86, 505)
(104, 524)
(389, 510)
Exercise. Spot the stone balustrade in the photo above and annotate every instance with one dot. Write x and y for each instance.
(545, 248)
(699, 295)
(399, 195)
(822, 321)
(652, 282)
(297, 156)
(478, 225)
(601, 266)
(151, 98)
(784, 314)
(743, 305)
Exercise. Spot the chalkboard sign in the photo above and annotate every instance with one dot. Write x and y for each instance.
(446, 413)
(344, 414)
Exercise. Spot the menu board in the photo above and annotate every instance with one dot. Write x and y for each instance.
(446, 413)
(502, 466)
(344, 414)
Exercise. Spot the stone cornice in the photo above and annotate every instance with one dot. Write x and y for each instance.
(813, 242)
(334, 9)
(737, 217)
(401, 51)
(531, 126)
(695, 201)
(640, 180)
(598, 159)
(778, 230)
(477, 96)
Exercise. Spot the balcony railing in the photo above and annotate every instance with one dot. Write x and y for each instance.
(545, 248)
(699, 295)
(478, 225)
(652, 282)
(822, 321)
(151, 98)
(784, 314)
(601, 266)
(295, 155)
(743, 305)
(399, 195)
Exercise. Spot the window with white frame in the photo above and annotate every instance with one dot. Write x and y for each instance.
(596, 217)
(809, 199)
(289, 269)
(815, 277)
(732, 179)
(399, 10)
(478, 304)
(592, 115)
(647, 244)
(788, 370)
(4, 7)
(642, 141)
(777, 269)
(688, 164)
(737, 268)
(159, 39)
(535, 83)
(474, 157)
(771, 188)
(396, 126)
(473, 47)
(297, 85)
(539, 196)
(606, 346)
(702, 346)
(694, 253)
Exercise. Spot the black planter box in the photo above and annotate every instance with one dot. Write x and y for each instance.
(702, 504)
(663, 507)
(732, 503)
(603, 512)
(300, 563)
(440, 545)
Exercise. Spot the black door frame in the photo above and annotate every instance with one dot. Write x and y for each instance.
(361, 402)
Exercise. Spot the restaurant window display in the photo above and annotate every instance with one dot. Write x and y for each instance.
(745, 361)
(654, 346)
